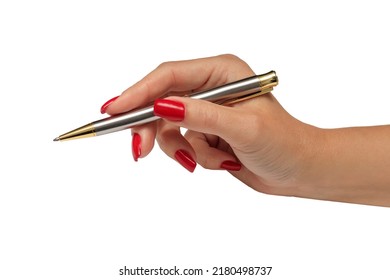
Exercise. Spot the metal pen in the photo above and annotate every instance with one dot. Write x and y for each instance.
(225, 95)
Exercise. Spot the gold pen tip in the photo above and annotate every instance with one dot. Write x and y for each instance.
(56, 139)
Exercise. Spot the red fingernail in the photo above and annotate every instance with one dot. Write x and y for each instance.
(169, 109)
(231, 165)
(103, 109)
(185, 160)
(136, 145)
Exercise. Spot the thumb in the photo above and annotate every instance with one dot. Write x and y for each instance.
(229, 123)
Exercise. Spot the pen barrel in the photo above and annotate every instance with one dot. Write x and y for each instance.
(124, 121)
(226, 94)
(240, 90)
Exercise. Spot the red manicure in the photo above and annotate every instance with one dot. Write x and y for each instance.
(136, 145)
(231, 165)
(185, 160)
(169, 109)
(103, 109)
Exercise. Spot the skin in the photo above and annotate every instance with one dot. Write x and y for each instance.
(279, 154)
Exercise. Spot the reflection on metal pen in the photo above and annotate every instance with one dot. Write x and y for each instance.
(224, 95)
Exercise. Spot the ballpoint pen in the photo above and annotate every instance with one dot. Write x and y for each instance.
(225, 95)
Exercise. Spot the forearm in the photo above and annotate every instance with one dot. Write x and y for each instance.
(350, 165)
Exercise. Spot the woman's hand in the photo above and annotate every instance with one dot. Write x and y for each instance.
(257, 141)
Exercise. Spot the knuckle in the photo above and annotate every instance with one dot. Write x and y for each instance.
(168, 70)
(164, 65)
(242, 69)
(231, 57)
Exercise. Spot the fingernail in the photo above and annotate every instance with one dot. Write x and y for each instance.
(231, 165)
(103, 109)
(136, 145)
(169, 109)
(185, 160)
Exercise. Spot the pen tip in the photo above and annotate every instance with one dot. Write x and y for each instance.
(56, 139)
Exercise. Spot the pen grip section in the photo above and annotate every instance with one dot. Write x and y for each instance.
(125, 121)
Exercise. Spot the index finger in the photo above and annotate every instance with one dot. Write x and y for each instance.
(179, 76)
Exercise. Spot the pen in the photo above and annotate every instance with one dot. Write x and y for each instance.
(225, 95)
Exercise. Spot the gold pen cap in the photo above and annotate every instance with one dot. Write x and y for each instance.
(266, 81)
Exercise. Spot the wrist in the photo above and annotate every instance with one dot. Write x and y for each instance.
(312, 167)
(341, 165)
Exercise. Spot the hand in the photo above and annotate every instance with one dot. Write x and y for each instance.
(257, 141)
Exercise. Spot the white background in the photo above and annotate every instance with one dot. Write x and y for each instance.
(84, 209)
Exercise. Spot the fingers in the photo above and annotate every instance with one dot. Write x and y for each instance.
(211, 152)
(207, 125)
(143, 140)
(170, 76)
(181, 77)
(175, 146)
(194, 147)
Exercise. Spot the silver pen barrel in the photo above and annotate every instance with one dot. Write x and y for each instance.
(124, 121)
(226, 94)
